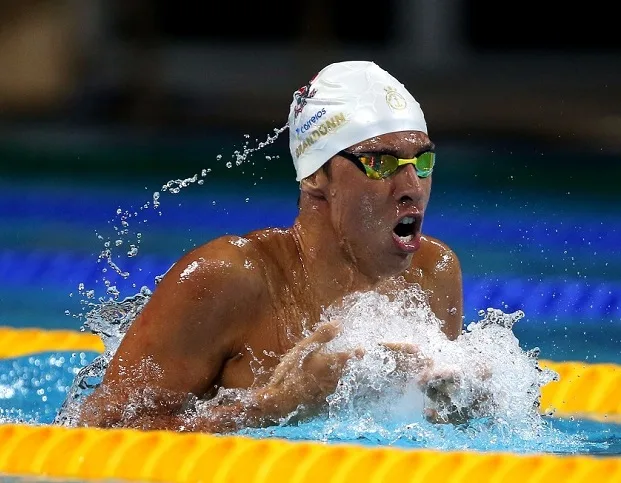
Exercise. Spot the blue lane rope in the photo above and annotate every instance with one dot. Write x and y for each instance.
(552, 298)
(530, 232)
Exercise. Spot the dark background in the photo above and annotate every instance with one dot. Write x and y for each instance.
(79, 79)
(103, 102)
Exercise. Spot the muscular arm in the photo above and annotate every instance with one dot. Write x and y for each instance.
(447, 298)
(438, 271)
(177, 346)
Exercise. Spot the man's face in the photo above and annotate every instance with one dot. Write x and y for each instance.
(379, 221)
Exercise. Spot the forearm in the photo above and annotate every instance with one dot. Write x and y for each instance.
(220, 419)
(254, 408)
(139, 408)
(259, 407)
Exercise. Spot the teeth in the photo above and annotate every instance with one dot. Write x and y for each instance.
(407, 238)
(408, 220)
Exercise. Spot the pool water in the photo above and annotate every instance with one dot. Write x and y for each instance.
(555, 436)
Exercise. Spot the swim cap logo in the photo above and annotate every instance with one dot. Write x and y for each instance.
(311, 122)
(301, 95)
(395, 100)
(327, 127)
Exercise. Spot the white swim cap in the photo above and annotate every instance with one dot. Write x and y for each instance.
(345, 104)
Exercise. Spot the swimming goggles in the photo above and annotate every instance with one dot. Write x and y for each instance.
(380, 166)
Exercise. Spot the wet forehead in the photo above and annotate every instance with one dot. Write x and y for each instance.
(403, 143)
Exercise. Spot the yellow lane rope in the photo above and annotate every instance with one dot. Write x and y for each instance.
(165, 456)
(21, 342)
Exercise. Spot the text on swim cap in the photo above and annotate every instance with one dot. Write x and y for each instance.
(327, 127)
(308, 124)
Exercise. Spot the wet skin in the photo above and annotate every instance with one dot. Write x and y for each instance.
(232, 312)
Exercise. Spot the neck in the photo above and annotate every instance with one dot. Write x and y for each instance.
(330, 269)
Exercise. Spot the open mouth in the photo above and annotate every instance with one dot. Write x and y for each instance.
(406, 228)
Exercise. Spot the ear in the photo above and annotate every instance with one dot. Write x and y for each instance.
(316, 184)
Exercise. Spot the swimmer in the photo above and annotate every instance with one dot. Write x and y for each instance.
(364, 163)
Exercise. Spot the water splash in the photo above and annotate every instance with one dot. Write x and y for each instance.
(492, 376)
(109, 319)
(377, 402)
(238, 158)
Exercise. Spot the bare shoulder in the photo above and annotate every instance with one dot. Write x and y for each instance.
(435, 257)
(217, 287)
(200, 310)
(223, 266)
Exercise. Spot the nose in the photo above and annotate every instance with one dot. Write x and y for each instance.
(408, 186)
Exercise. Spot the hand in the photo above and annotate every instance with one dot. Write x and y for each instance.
(305, 375)
(409, 358)
(440, 388)
(443, 387)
